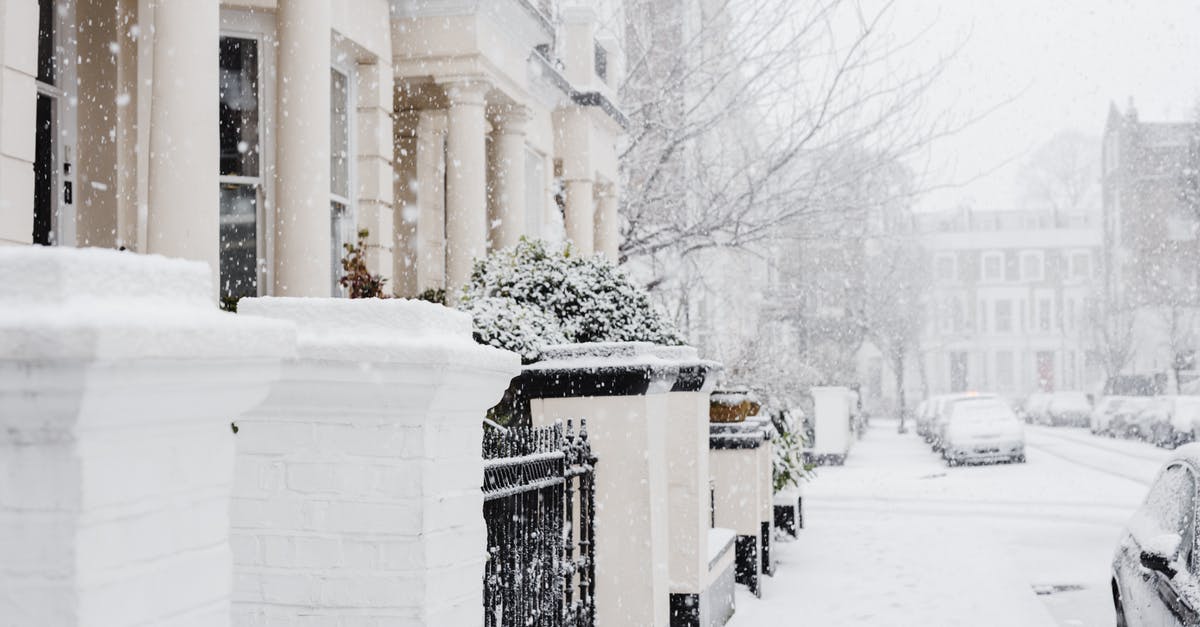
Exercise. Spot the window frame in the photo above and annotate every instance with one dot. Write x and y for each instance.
(983, 266)
(349, 70)
(952, 277)
(65, 129)
(1041, 267)
(1074, 256)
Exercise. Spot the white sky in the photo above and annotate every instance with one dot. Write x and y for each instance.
(1062, 61)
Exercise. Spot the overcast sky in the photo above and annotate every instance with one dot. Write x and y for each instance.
(1061, 61)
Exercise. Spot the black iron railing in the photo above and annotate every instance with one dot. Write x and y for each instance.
(539, 504)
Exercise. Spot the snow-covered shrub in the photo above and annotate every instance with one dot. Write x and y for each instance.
(506, 324)
(788, 467)
(589, 299)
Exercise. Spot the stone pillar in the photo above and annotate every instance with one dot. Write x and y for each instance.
(18, 98)
(607, 223)
(358, 479)
(621, 390)
(466, 182)
(118, 381)
(573, 146)
(183, 214)
(508, 223)
(376, 148)
(701, 583)
(735, 461)
(303, 260)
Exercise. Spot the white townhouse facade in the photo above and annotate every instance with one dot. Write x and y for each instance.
(1008, 300)
(260, 135)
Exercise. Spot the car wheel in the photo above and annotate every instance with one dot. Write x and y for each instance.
(951, 462)
(1020, 459)
(1118, 606)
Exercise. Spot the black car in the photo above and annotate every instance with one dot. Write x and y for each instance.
(1156, 569)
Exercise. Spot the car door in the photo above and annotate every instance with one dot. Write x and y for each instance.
(1168, 508)
(1180, 595)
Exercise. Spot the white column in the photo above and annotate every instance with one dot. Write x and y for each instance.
(358, 497)
(116, 451)
(302, 219)
(508, 224)
(573, 147)
(607, 221)
(431, 200)
(466, 181)
(183, 214)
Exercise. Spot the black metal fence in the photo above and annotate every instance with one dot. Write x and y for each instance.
(539, 504)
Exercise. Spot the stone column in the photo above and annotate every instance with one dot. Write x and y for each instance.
(119, 379)
(358, 479)
(302, 214)
(572, 145)
(621, 390)
(607, 223)
(466, 181)
(508, 223)
(183, 214)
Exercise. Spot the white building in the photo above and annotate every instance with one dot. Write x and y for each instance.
(1008, 300)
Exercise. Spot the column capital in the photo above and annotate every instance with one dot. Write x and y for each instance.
(466, 91)
(511, 119)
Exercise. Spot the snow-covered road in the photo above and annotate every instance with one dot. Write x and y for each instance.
(895, 538)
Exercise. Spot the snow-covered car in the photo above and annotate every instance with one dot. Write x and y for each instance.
(1156, 567)
(919, 417)
(1185, 420)
(1103, 411)
(1034, 408)
(1126, 419)
(1070, 409)
(983, 430)
(946, 408)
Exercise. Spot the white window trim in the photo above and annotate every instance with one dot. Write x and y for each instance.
(1073, 267)
(349, 69)
(1041, 257)
(983, 259)
(63, 216)
(260, 27)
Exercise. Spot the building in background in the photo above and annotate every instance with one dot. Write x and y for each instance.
(1008, 301)
(261, 136)
(1151, 219)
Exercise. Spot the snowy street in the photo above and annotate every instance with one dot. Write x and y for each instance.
(896, 538)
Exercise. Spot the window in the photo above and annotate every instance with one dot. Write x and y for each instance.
(601, 62)
(1070, 317)
(1043, 314)
(54, 115)
(342, 229)
(944, 268)
(1031, 266)
(240, 166)
(1169, 506)
(1004, 316)
(982, 309)
(993, 266)
(1081, 265)
(535, 193)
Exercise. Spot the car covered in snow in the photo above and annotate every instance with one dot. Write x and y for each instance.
(1034, 408)
(1156, 567)
(1103, 411)
(1185, 420)
(1069, 409)
(945, 406)
(983, 430)
(1127, 419)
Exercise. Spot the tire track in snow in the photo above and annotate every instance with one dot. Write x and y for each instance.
(1097, 444)
(1032, 510)
(1092, 466)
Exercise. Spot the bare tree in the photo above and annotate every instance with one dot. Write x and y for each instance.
(1111, 331)
(752, 114)
(1063, 175)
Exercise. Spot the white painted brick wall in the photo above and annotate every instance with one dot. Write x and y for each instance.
(357, 498)
(118, 380)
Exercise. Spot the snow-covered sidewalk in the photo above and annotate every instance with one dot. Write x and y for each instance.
(895, 538)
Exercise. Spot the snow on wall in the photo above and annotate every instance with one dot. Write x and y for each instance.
(358, 480)
(118, 381)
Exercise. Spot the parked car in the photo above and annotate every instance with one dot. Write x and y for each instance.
(1070, 409)
(1126, 419)
(945, 408)
(1182, 422)
(920, 422)
(1103, 411)
(1034, 409)
(1156, 568)
(983, 430)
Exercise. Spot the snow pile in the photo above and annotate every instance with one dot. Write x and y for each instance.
(556, 297)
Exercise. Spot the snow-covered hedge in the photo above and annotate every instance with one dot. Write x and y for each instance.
(534, 295)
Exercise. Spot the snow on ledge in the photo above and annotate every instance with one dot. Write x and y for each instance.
(62, 303)
(387, 330)
(611, 355)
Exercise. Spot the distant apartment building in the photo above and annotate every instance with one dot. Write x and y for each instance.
(1007, 305)
(1151, 214)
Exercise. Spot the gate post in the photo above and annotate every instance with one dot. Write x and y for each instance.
(621, 389)
(119, 378)
(358, 479)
